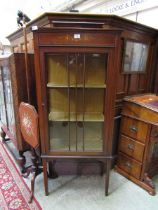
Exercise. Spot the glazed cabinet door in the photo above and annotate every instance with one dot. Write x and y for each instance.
(76, 72)
(9, 100)
(3, 111)
(75, 86)
(7, 115)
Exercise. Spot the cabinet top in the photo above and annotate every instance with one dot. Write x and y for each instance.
(51, 20)
(149, 101)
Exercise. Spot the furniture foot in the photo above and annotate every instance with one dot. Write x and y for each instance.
(142, 183)
(147, 180)
(108, 167)
(35, 170)
(45, 176)
(35, 173)
(32, 187)
(3, 135)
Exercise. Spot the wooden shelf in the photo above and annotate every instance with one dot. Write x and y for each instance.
(57, 144)
(65, 116)
(53, 85)
(62, 101)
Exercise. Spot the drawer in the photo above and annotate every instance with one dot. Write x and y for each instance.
(134, 128)
(131, 147)
(135, 110)
(132, 167)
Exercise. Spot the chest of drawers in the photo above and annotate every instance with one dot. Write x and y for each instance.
(138, 143)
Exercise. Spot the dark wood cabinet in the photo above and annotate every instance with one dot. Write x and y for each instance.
(138, 154)
(7, 117)
(76, 92)
(14, 90)
(82, 39)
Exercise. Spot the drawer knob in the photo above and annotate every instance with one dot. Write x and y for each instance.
(133, 129)
(128, 165)
(131, 146)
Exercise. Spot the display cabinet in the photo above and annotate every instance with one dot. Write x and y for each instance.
(6, 106)
(138, 145)
(13, 90)
(131, 76)
(75, 116)
(76, 93)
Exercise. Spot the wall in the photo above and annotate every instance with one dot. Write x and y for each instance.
(142, 11)
(4, 50)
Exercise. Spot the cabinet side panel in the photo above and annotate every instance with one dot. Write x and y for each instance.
(18, 80)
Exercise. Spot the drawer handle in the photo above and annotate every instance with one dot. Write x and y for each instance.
(133, 129)
(128, 165)
(131, 146)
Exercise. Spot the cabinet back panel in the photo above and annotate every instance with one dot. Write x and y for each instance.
(76, 69)
(59, 100)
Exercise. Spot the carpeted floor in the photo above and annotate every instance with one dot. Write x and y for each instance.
(87, 193)
(14, 193)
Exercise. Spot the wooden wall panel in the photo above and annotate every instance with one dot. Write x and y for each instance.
(142, 83)
(133, 84)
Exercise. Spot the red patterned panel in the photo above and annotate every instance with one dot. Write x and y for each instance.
(29, 124)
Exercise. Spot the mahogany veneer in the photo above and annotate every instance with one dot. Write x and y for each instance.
(138, 146)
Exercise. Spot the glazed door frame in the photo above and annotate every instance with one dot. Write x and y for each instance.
(108, 116)
(9, 126)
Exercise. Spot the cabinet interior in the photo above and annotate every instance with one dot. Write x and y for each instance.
(76, 89)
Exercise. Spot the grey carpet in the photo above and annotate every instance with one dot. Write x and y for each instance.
(87, 193)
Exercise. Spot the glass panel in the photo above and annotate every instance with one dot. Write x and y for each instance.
(135, 57)
(9, 100)
(59, 136)
(60, 139)
(57, 70)
(76, 92)
(95, 70)
(59, 104)
(2, 103)
(94, 136)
